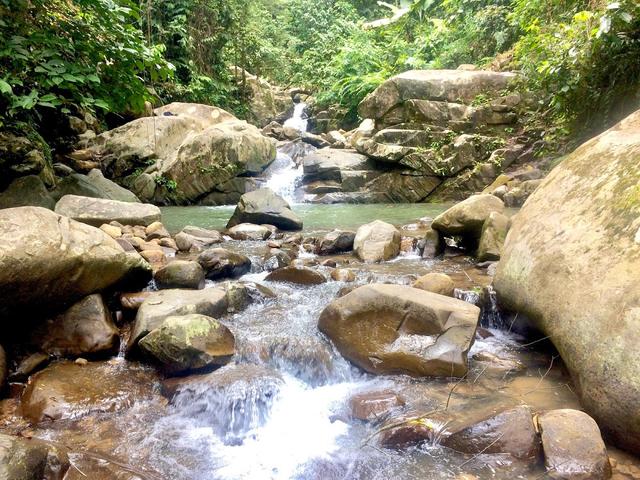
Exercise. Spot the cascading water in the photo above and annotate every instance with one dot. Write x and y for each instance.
(284, 175)
(298, 120)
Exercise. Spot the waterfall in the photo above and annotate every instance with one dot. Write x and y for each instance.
(285, 175)
(298, 120)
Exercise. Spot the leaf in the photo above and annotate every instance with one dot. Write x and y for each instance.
(5, 87)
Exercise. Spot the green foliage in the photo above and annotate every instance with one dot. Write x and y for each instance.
(588, 62)
(69, 54)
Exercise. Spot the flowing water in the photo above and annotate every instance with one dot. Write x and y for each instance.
(281, 410)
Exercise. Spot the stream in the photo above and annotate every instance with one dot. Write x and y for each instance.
(282, 409)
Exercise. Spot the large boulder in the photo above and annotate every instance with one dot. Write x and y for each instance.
(408, 330)
(468, 217)
(440, 85)
(97, 211)
(211, 302)
(110, 189)
(190, 342)
(328, 164)
(573, 447)
(263, 206)
(377, 241)
(47, 260)
(570, 264)
(86, 328)
(27, 191)
(184, 152)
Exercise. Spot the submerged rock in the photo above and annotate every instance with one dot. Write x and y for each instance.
(86, 328)
(47, 260)
(511, 432)
(222, 263)
(573, 447)
(265, 207)
(188, 343)
(233, 400)
(570, 264)
(374, 406)
(67, 390)
(180, 274)
(298, 275)
(407, 330)
(377, 241)
(98, 211)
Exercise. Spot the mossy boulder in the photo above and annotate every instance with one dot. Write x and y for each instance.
(189, 343)
(571, 264)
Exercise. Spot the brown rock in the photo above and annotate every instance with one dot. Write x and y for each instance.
(298, 275)
(511, 432)
(132, 301)
(222, 263)
(573, 447)
(439, 283)
(66, 390)
(374, 405)
(396, 329)
(180, 274)
(343, 275)
(86, 328)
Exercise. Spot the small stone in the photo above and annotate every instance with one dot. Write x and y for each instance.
(81, 361)
(439, 283)
(343, 275)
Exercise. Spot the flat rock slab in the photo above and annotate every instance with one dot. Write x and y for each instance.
(67, 390)
(98, 211)
(573, 446)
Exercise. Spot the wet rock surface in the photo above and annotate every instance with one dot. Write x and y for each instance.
(220, 263)
(573, 447)
(67, 390)
(298, 275)
(396, 329)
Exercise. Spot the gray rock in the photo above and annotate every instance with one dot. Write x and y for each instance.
(27, 191)
(94, 211)
(222, 263)
(265, 207)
